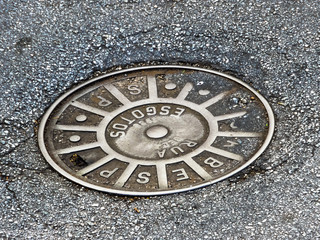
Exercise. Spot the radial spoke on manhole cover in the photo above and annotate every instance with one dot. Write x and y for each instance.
(156, 130)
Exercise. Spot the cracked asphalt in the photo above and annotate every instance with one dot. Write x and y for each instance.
(46, 47)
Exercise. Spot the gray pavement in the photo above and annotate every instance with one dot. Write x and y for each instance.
(46, 47)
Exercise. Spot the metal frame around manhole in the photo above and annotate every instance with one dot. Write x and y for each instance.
(71, 175)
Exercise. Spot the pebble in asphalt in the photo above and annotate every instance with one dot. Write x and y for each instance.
(46, 47)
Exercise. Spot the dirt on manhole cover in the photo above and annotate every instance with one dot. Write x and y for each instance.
(156, 130)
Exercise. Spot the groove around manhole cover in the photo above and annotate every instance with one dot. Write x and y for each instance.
(155, 130)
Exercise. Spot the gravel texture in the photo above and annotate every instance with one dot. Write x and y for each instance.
(46, 47)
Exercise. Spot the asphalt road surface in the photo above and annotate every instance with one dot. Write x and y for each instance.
(48, 46)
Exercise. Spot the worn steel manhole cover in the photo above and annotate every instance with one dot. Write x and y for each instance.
(156, 130)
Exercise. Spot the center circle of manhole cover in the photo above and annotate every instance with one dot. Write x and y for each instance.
(142, 132)
(155, 130)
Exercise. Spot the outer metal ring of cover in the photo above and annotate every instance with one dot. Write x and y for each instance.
(155, 130)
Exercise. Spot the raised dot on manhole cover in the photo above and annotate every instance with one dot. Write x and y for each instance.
(155, 130)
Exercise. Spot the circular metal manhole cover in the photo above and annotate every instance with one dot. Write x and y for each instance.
(156, 130)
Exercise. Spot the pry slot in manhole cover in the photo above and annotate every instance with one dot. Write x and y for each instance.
(155, 130)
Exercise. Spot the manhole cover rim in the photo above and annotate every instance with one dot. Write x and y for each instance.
(43, 149)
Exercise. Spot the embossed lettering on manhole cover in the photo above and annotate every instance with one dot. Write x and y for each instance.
(156, 130)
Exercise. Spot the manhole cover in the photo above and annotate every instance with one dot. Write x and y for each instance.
(156, 130)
